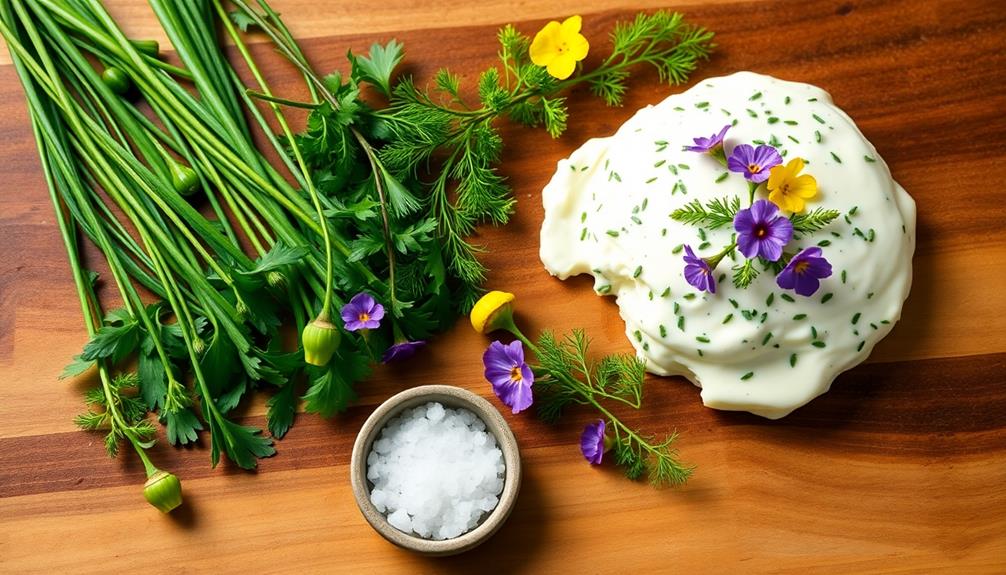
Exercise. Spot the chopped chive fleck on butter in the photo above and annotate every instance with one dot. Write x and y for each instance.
(747, 376)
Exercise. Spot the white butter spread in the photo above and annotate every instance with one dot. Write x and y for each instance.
(762, 349)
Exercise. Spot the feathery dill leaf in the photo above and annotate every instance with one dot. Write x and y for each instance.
(717, 212)
(744, 274)
(435, 132)
(570, 377)
(811, 222)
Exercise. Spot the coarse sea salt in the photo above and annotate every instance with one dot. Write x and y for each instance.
(435, 471)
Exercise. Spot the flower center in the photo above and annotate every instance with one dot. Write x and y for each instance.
(761, 230)
(515, 374)
(784, 189)
(801, 266)
(754, 168)
(364, 316)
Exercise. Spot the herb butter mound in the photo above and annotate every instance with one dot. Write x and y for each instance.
(759, 348)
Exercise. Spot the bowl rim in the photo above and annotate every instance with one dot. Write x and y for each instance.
(449, 396)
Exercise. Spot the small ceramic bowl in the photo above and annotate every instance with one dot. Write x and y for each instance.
(449, 396)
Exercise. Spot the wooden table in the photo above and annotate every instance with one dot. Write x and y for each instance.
(900, 468)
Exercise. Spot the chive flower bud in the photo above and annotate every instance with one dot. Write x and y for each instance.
(492, 312)
(320, 340)
(198, 345)
(275, 279)
(149, 47)
(184, 179)
(116, 80)
(163, 490)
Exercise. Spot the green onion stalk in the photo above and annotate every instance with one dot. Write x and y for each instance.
(127, 181)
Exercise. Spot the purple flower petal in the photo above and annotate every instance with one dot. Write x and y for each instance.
(511, 378)
(804, 272)
(706, 145)
(592, 442)
(698, 273)
(754, 163)
(362, 312)
(761, 231)
(402, 351)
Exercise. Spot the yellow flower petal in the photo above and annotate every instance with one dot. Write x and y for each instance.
(545, 46)
(578, 47)
(786, 202)
(571, 25)
(804, 186)
(490, 309)
(775, 177)
(562, 66)
(795, 166)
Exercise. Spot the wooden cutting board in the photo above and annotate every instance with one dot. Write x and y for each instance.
(900, 468)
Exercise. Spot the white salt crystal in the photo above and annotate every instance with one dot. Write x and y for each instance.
(435, 412)
(435, 471)
(401, 520)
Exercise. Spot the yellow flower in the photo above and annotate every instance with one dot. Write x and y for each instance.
(788, 190)
(559, 47)
(492, 311)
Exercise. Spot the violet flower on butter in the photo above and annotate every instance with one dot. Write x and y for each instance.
(698, 273)
(804, 272)
(754, 163)
(710, 144)
(761, 231)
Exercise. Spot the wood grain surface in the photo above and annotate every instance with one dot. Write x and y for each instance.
(901, 468)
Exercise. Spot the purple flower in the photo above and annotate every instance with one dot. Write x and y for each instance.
(761, 232)
(510, 377)
(698, 273)
(754, 162)
(592, 442)
(707, 145)
(402, 351)
(362, 312)
(804, 272)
